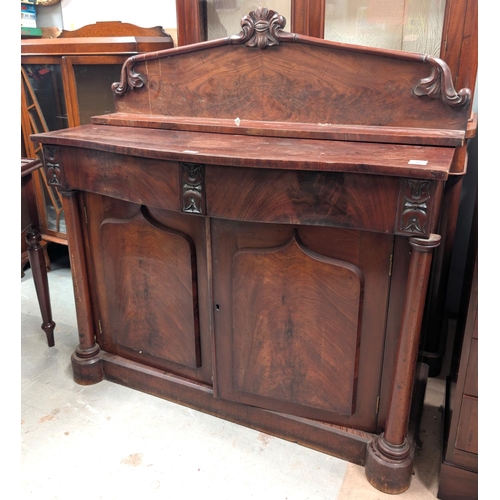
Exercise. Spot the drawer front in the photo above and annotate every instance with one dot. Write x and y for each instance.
(467, 432)
(144, 181)
(369, 202)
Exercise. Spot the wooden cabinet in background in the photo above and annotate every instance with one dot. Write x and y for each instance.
(67, 80)
(458, 478)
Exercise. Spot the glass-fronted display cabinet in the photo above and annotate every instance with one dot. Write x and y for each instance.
(67, 80)
(412, 26)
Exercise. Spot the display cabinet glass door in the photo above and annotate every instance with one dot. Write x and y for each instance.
(409, 25)
(62, 95)
(93, 89)
(223, 17)
(43, 92)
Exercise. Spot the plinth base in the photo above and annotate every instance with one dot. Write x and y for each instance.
(389, 474)
(87, 367)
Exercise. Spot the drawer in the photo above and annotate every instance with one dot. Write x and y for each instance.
(144, 181)
(470, 387)
(467, 432)
(368, 202)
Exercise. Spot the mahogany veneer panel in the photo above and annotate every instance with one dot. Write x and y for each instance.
(290, 83)
(280, 296)
(324, 327)
(149, 283)
(148, 317)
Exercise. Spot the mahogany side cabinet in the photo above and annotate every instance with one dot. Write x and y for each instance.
(251, 233)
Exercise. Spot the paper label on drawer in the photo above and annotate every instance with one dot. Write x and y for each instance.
(418, 162)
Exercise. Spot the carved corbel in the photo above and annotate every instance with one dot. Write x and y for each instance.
(414, 200)
(192, 175)
(52, 167)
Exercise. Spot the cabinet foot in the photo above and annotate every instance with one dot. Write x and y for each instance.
(389, 467)
(87, 366)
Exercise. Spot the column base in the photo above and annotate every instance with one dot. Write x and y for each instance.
(87, 366)
(389, 468)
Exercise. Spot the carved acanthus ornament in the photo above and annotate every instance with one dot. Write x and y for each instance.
(440, 85)
(414, 199)
(52, 167)
(192, 188)
(262, 28)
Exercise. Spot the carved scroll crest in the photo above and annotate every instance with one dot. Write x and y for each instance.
(52, 167)
(262, 28)
(440, 85)
(414, 196)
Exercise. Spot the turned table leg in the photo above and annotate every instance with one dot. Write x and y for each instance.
(39, 269)
(389, 459)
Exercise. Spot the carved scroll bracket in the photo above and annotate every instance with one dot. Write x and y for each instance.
(440, 85)
(129, 77)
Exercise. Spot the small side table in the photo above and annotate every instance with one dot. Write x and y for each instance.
(35, 249)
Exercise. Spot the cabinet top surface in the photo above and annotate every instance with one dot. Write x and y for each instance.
(259, 152)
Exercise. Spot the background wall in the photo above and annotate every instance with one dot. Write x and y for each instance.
(73, 14)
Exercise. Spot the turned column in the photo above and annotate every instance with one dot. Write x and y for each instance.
(86, 360)
(389, 459)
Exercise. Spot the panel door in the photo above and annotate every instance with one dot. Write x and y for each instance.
(150, 285)
(299, 319)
